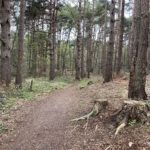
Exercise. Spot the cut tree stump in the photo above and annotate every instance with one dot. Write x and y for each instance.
(99, 105)
(131, 110)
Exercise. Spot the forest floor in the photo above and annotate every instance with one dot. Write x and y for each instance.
(45, 124)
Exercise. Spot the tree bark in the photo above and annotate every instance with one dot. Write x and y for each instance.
(104, 47)
(140, 45)
(83, 72)
(52, 38)
(120, 45)
(20, 44)
(78, 49)
(109, 60)
(5, 41)
(89, 48)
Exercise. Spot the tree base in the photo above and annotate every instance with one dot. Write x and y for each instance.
(131, 110)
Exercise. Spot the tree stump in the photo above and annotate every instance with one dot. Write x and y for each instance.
(131, 110)
(99, 106)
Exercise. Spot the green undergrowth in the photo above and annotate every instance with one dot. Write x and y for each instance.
(3, 128)
(85, 82)
(40, 86)
(132, 122)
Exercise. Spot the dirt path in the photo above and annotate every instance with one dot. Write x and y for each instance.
(45, 125)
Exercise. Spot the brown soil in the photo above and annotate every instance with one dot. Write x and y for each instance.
(98, 133)
(45, 124)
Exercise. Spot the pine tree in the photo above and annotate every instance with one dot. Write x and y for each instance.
(109, 59)
(140, 45)
(20, 44)
(5, 40)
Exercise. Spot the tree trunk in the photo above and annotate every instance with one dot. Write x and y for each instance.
(65, 51)
(109, 60)
(116, 34)
(58, 49)
(89, 48)
(34, 50)
(104, 47)
(52, 38)
(140, 45)
(20, 44)
(83, 73)
(120, 44)
(5, 41)
(78, 52)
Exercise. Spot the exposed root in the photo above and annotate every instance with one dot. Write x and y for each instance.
(122, 125)
(119, 128)
(131, 110)
(108, 148)
(99, 105)
(135, 103)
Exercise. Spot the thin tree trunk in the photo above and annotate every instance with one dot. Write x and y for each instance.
(116, 35)
(78, 53)
(52, 38)
(58, 50)
(120, 44)
(83, 74)
(130, 44)
(20, 44)
(34, 50)
(104, 48)
(89, 48)
(109, 61)
(65, 52)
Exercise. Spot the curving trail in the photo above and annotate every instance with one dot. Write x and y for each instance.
(45, 125)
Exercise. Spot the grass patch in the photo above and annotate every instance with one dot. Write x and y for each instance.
(84, 82)
(3, 129)
(132, 122)
(40, 86)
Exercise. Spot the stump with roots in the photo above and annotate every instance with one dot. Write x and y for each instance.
(131, 110)
(99, 106)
